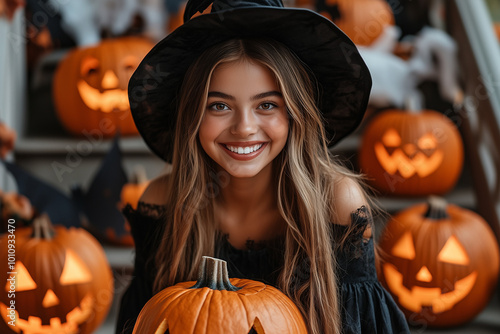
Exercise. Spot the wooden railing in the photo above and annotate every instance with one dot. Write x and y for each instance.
(13, 78)
(470, 24)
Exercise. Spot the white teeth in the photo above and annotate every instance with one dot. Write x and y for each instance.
(244, 150)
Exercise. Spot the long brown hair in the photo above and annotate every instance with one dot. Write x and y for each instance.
(305, 173)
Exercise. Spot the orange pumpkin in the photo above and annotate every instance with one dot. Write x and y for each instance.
(17, 207)
(440, 262)
(58, 280)
(362, 20)
(413, 153)
(216, 304)
(7, 140)
(90, 86)
(132, 192)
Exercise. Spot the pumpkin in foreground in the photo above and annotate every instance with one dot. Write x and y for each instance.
(56, 280)
(440, 263)
(216, 304)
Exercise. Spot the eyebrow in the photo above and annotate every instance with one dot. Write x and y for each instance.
(253, 98)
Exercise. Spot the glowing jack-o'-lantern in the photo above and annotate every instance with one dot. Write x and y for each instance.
(58, 281)
(440, 262)
(216, 304)
(411, 153)
(362, 20)
(90, 86)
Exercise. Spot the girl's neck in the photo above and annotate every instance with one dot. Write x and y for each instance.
(249, 194)
(247, 210)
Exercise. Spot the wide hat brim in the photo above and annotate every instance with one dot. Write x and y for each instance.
(343, 77)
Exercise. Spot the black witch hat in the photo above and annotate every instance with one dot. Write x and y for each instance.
(343, 78)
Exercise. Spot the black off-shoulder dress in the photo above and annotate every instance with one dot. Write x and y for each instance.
(366, 306)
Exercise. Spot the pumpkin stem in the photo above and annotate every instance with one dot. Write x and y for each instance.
(42, 228)
(213, 274)
(413, 103)
(437, 208)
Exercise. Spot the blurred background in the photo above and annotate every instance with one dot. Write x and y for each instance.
(70, 149)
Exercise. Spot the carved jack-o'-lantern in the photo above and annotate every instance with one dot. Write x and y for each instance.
(58, 280)
(362, 20)
(440, 262)
(216, 304)
(90, 86)
(411, 153)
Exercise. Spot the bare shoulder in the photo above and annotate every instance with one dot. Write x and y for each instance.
(156, 191)
(348, 197)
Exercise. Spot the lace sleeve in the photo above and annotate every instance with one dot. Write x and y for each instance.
(146, 225)
(349, 238)
(155, 211)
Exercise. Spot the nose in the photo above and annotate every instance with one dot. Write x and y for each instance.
(410, 149)
(50, 299)
(245, 124)
(109, 80)
(424, 275)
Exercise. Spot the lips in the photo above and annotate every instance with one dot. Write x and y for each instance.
(244, 151)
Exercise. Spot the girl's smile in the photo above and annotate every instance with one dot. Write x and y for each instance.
(245, 125)
(244, 150)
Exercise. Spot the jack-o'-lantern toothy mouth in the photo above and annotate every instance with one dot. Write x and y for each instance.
(417, 297)
(74, 318)
(107, 101)
(408, 158)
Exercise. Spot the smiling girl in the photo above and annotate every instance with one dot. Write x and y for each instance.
(246, 115)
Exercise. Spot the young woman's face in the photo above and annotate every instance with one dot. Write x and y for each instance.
(245, 125)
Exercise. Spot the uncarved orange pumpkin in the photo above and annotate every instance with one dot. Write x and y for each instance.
(132, 192)
(413, 153)
(58, 280)
(362, 20)
(14, 206)
(7, 139)
(216, 304)
(90, 86)
(130, 195)
(440, 262)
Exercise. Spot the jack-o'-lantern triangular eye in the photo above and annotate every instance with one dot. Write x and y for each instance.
(130, 62)
(75, 271)
(163, 328)
(23, 280)
(404, 247)
(391, 138)
(427, 142)
(89, 65)
(453, 252)
(257, 327)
